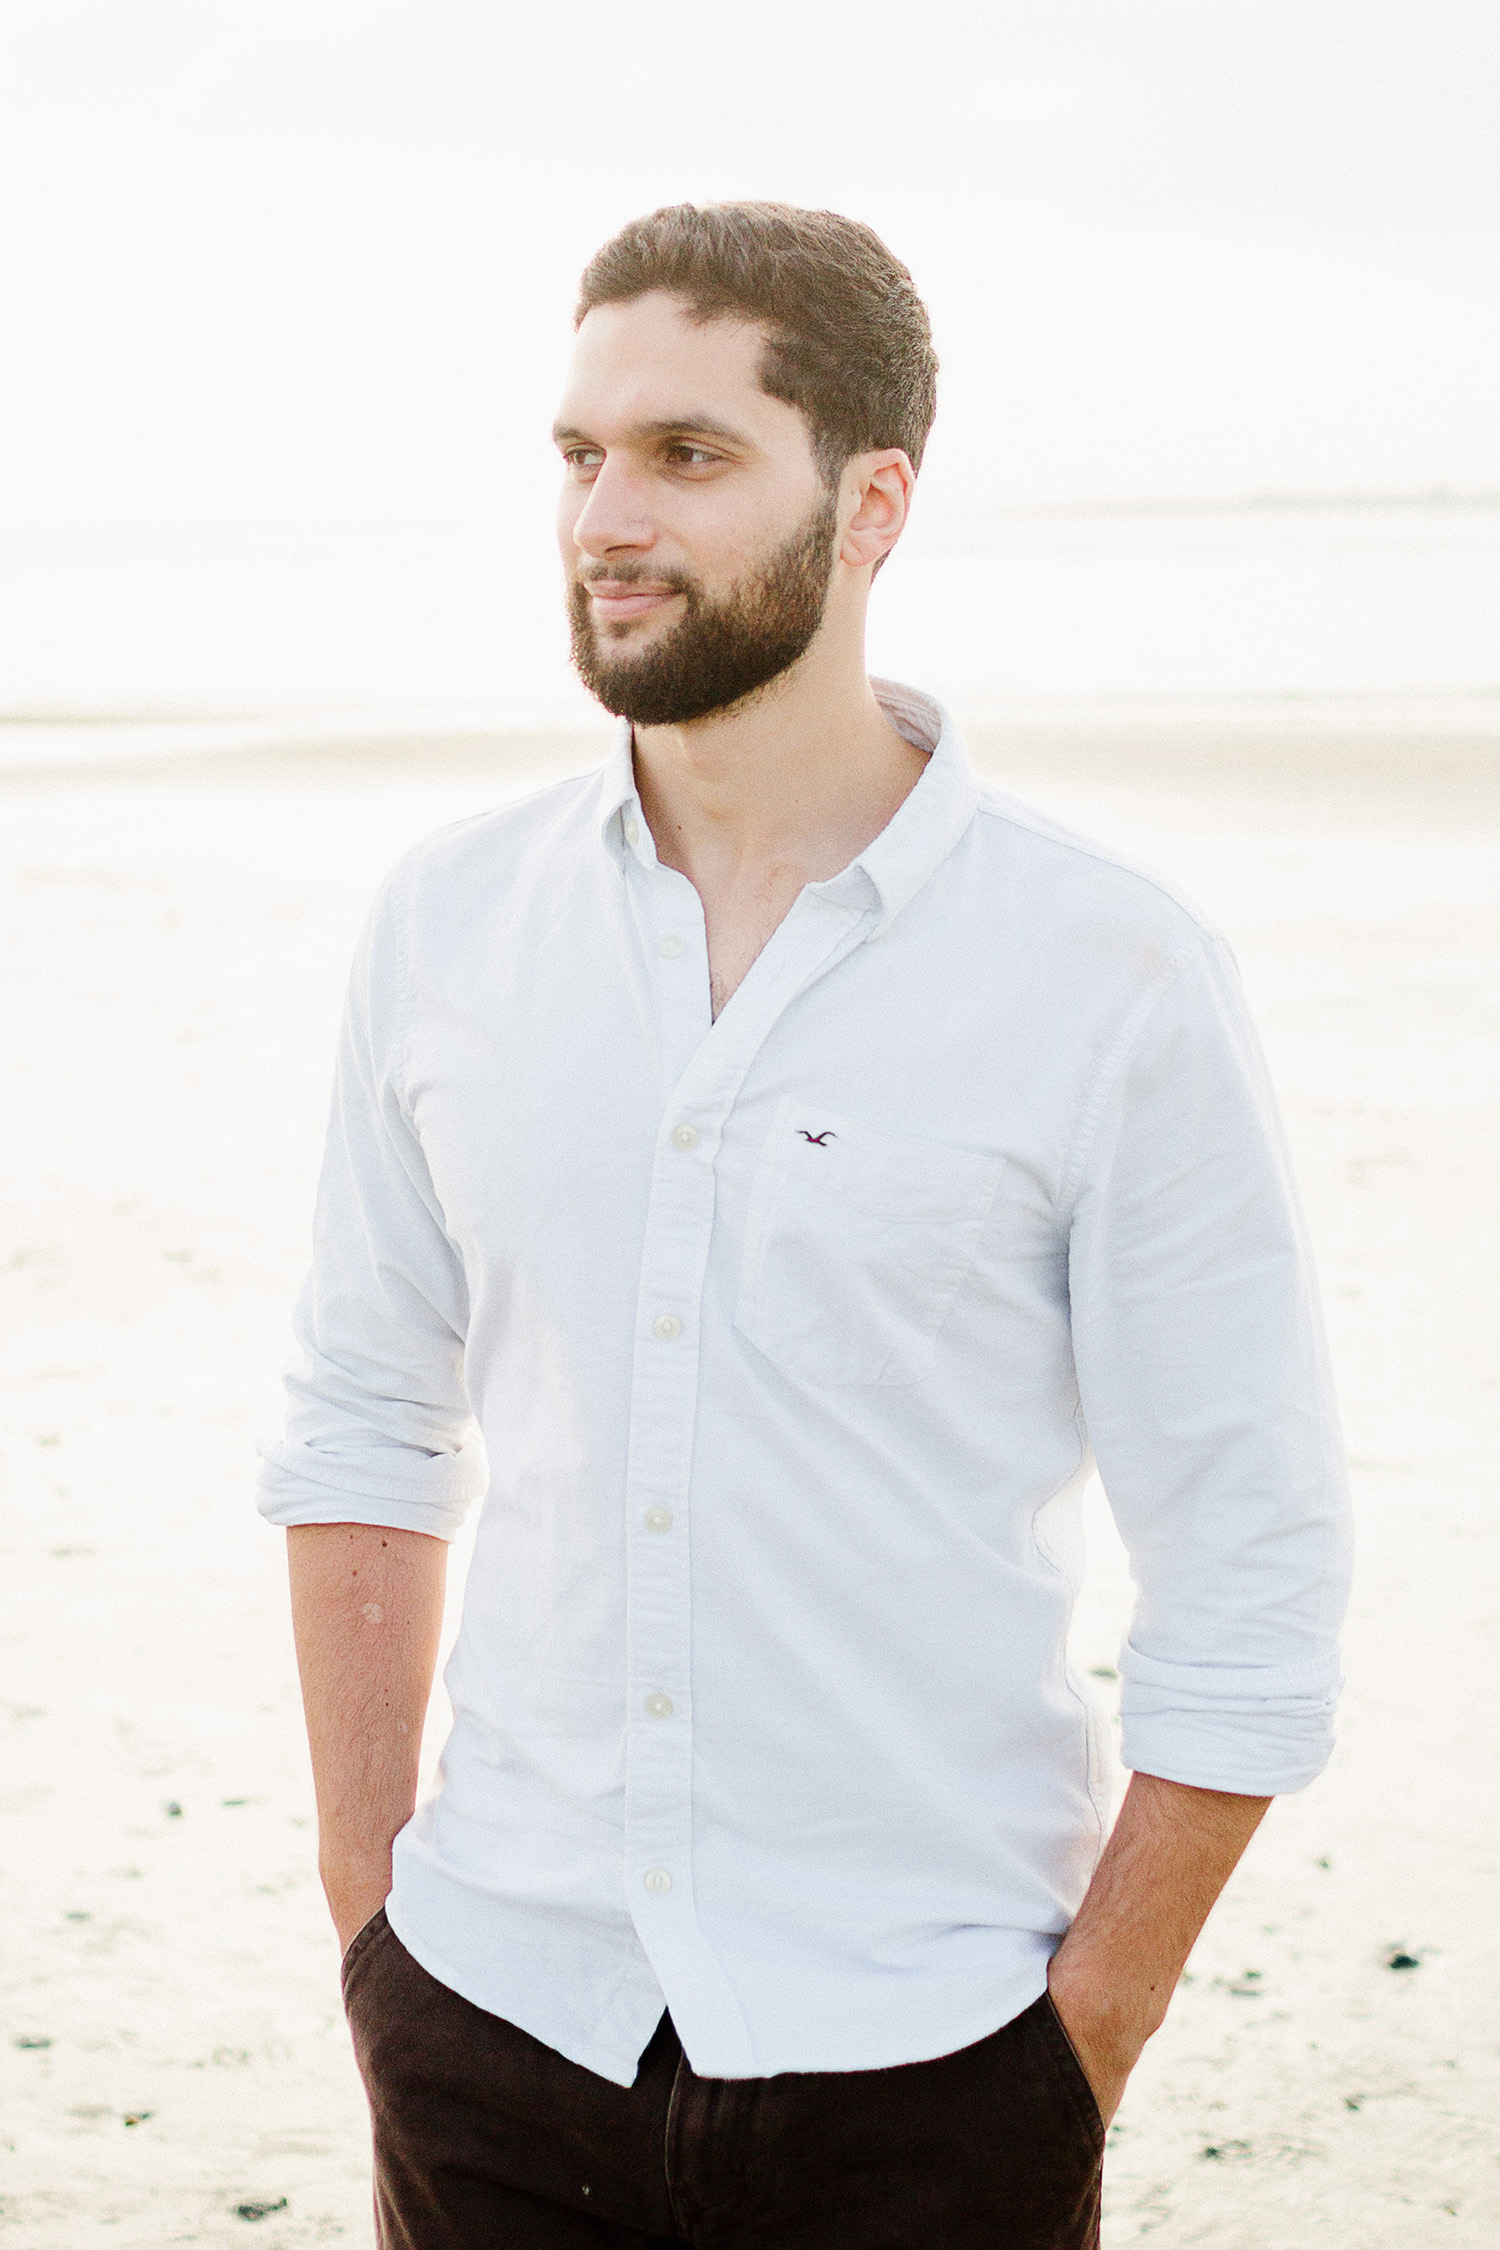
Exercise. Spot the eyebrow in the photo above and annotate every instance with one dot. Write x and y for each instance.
(674, 425)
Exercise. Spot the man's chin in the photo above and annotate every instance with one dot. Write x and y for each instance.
(631, 632)
(646, 702)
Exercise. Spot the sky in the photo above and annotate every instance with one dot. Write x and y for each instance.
(287, 294)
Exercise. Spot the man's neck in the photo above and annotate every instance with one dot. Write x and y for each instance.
(752, 805)
(809, 773)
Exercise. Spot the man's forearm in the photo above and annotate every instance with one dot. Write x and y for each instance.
(1171, 1852)
(367, 1611)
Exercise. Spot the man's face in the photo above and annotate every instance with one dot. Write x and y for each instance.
(698, 537)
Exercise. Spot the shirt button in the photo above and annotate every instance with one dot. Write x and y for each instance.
(659, 1706)
(684, 1136)
(673, 947)
(658, 1519)
(632, 831)
(667, 1326)
(657, 1879)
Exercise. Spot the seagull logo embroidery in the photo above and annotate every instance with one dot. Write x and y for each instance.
(818, 1140)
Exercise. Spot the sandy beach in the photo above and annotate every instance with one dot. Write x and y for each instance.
(177, 930)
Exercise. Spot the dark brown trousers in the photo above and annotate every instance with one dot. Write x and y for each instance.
(485, 2139)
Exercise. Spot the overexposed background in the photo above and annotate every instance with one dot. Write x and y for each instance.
(1216, 286)
(1207, 555)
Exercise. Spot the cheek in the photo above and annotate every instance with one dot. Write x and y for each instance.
(767, 512)
(723, 541)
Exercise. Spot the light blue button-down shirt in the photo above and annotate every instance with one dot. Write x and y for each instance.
(777, 1346)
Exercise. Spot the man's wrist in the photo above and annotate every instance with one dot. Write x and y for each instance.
(1104, 2028)
(356, 1884)
(1119, 2008)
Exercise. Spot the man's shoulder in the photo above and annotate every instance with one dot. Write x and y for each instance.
(488, 850)
(1075, 879)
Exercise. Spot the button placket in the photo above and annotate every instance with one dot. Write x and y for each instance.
(679, 1226)
(669, 917)
(663, 1400)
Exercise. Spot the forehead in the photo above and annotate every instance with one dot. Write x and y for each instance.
(649, 363)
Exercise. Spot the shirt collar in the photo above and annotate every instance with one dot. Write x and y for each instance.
(889, 872)
(920, 835)
(618, 803)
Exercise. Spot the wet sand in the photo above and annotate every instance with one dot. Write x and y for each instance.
(173, 2066)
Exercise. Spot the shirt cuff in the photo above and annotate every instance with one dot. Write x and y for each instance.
(394, 1486)
(1254, 1731)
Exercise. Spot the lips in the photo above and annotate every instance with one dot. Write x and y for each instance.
(615, 601)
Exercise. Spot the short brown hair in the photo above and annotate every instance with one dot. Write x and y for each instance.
(848, 340)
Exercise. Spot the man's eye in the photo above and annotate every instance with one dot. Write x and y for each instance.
(585, 457)
(691, 456)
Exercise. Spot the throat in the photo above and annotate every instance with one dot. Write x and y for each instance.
(739, 928)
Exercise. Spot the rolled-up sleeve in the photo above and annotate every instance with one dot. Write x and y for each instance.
(1205, 1386)
(378, 1427)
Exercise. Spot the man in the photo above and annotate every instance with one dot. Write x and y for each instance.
(796, 1160)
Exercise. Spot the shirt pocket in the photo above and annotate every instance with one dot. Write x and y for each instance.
(855, 1245)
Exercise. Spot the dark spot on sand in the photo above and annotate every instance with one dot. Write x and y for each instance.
(1402, 1960)
(259, 2210)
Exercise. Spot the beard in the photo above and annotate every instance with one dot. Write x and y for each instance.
(718, 653)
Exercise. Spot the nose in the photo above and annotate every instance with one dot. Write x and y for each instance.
(614, 518)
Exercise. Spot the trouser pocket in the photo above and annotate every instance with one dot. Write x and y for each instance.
(1069, 2066)
(364, 1937)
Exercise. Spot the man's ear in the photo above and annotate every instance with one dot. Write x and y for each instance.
(881, 486)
